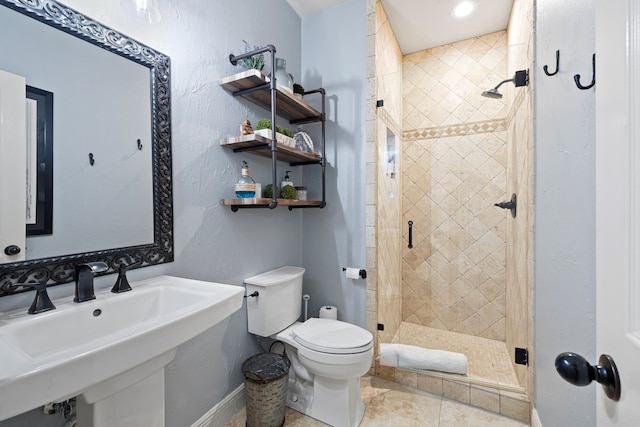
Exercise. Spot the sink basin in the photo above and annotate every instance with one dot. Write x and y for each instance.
(69, 351)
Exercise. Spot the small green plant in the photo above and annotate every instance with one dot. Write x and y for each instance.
(266, 124)
(263, 124)
(253, 62)
(288, 192)
(298, 89)
(284, 131)
(267, 191)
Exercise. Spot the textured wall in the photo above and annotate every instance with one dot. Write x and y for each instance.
(454, 169)
(334, 57)
(564, 210)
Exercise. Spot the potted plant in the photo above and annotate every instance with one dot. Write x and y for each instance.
(253, 62)
(283, 135)
(298, 90)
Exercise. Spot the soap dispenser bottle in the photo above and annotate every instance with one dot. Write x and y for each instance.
(246, 186)
(286, 181)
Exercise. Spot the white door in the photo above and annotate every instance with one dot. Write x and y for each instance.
(12, 166)
(618, 203)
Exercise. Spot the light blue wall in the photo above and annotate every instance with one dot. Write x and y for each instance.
(564, 210)
(334, 57)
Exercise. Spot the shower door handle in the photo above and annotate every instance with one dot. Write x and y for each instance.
(410, 246)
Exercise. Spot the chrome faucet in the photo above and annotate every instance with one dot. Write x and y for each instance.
(84, 279)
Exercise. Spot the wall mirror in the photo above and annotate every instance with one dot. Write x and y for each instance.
(112, 182)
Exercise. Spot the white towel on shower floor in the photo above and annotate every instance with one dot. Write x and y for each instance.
(415, 358)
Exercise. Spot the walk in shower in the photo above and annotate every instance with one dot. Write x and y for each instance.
(445, 156)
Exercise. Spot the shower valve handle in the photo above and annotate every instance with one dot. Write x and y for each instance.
(511, 205)
(505, 205)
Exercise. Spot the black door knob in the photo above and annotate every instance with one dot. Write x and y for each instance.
(576, 370)
(12, 250)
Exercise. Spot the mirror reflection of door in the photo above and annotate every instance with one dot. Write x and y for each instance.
(13, 165)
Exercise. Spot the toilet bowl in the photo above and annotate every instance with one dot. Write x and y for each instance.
(328, 359)
(327, 356)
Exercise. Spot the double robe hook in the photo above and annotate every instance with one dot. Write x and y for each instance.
(576, 78)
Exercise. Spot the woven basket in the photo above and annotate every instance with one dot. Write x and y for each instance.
(265, 392)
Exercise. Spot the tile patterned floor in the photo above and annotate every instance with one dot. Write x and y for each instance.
(388, 404)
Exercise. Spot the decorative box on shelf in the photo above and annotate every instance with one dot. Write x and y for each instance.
(280, 137)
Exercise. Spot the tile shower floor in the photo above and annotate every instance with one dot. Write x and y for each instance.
(388, 404)
(489, 361)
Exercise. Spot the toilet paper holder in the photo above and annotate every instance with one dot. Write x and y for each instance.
(362, 272)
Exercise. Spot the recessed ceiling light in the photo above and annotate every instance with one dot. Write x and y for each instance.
(464, 9)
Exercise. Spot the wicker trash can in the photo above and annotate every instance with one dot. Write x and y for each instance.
(265, 389)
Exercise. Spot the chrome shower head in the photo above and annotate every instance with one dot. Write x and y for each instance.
(492, 93)
(521, 78)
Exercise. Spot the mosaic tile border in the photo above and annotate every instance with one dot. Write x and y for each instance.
(471, 128)
(515, 106)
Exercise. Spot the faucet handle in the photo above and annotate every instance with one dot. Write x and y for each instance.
(122, 284)
(41, 301)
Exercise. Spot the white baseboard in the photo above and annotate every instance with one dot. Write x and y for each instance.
(535, 419)
(221, 413)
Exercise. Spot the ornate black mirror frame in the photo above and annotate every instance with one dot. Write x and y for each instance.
(60, 269)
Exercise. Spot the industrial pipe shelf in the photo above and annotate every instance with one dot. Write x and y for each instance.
(264, 92)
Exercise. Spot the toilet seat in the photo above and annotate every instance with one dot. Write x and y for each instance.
(333, 337)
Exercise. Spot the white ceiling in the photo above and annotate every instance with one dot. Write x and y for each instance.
(423, 24)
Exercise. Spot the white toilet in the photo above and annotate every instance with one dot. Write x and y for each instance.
(328, 357)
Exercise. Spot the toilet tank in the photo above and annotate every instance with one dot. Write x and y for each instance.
(279, 300)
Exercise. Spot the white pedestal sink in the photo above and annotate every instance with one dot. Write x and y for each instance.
(110, 352)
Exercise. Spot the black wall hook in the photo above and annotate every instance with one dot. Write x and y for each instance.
(91, 159)
(593, 80)
(546, 69)
(139, 144)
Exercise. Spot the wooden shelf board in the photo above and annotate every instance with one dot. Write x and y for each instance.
(285, 153)
(265, 202)
(288, 106)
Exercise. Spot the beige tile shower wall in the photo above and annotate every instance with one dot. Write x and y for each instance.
(388, 66)
(519, 326)
(453, 171)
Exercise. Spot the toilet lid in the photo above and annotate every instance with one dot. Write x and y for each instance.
(333, 336)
